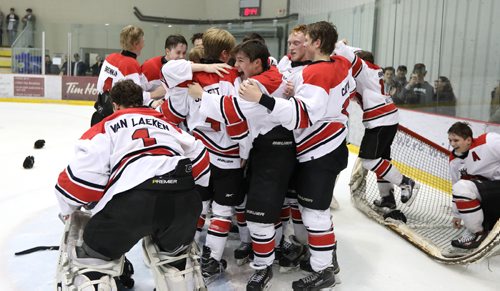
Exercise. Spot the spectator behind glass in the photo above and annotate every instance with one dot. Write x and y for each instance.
(96, 67)
(48, 65)
(29, 25)
(1, 26)
(78, 67)
(401, 76)
(12, 21)
(197, 39)
(196, 54)
(418, 91)
(444, 97)
(495, 105)
(390, 87)
(64, 67)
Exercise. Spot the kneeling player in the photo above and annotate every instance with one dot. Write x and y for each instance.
(140, 172)
(475, 174)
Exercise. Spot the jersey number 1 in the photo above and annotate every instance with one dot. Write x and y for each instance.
(143, 134)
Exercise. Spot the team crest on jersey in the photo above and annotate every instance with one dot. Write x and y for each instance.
(475, 157)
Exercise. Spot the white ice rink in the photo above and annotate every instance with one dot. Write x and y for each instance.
(371, 257)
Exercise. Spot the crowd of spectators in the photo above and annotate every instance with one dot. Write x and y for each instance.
(11, 22)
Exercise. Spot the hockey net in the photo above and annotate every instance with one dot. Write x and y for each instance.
(428, 224)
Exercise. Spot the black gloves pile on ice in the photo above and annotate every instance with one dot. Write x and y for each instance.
(29, 161)
(39, 143)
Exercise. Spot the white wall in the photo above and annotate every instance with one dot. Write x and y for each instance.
(353, 18)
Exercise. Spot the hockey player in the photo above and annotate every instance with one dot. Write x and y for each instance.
(226, 184)
(317, 115)
(475, 174)
(291, 67)
(272, 157)
(175, 49)
(139, 173)
(381, 119)
(123, 65)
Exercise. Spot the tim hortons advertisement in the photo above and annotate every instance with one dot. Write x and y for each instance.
(79, 88)
(29, 86)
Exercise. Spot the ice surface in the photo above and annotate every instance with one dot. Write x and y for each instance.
(371, 257)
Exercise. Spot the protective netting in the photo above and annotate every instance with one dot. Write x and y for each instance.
(428, 223)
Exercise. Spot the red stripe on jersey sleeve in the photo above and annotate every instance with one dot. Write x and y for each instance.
(237, 129)
(201, 165)
(303, 116)
(356, 67)
(80, 192)
(230, 112)
(169, 114)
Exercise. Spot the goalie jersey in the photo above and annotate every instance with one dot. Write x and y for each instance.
(378, 108)
(224, 152)
(482, 161)
(122, 151)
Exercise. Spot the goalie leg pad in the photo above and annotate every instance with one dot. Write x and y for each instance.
(171, 272)
(83, 273)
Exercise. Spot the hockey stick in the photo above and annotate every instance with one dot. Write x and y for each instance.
(36, 249)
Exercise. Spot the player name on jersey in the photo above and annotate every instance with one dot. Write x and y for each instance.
(137, 122)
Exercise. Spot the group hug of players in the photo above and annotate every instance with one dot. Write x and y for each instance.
(266, 142)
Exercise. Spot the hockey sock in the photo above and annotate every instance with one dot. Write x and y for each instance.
(384, 187)
(321, 237)
(278, 228)
(321, 245)
(217, 235)
(285, 216)
(384, 169)
(298, 226)
(242, 224)
(263, 242)
(201, 221)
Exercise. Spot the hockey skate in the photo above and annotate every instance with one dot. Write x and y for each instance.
(322, 280)
(293, 253)
(172, 272)
(76, 273)
(261, 279)
(243, 253)
(211, 269)
(409, 190)
(305, 264)
(386, 201)
(469, 240)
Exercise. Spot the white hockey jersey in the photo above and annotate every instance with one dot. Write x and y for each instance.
(120, 66)
(122, 151)
(378, 108)
(245, 120)
(224, 152)
(317, 112)
(481, 162)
